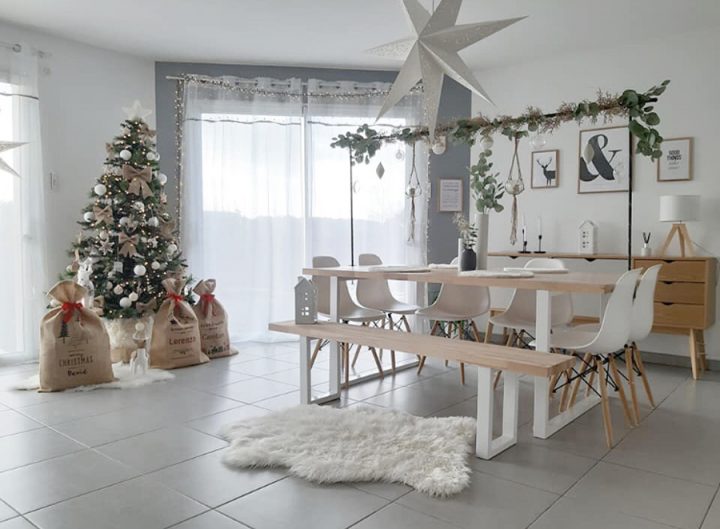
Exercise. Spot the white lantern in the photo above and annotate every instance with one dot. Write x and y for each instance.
(305, 302)
(587, 238)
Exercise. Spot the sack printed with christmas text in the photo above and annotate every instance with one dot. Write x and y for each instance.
(214, 336)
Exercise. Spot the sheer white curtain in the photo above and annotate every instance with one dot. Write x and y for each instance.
(22, 205)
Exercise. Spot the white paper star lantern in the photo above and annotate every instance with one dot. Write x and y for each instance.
(136, 111)
(6, 146)
(433, 52)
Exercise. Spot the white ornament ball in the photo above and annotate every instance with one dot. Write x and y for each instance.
(172, 248)
(124, 220)
(125, 302)
(108, 285)
(150, 156)
(154, 222)
(139, 206)
(125, 154)
(118, 289)
(133, 296)
(139, 270)
(162, 178)
(103, 235)
(100, 189)
(139, 326)
(155, 265)
(439, 145)
(88, 216)
(486, 143)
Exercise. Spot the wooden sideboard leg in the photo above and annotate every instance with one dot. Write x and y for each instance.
(693, 355)
(701, 349)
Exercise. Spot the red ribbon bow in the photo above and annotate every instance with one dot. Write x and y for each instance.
(206, 301)
(68, 309)
(175, 297)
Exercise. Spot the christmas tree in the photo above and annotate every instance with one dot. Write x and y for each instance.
(127, 244)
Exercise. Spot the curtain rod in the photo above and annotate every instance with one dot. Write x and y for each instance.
(324, 83)
(17, 48)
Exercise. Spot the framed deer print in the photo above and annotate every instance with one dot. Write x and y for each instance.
(675, 164)
(544, 172)
(604, 160)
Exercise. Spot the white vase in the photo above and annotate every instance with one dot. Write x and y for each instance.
(481, 244)
(645, 251)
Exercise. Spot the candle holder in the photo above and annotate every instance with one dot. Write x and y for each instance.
(525, 250)
(540, 250)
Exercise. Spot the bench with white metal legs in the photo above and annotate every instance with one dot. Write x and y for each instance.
(486, 357)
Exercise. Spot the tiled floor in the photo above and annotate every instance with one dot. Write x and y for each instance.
(150, 458)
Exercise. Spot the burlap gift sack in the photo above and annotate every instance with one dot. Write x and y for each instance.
(214, 336)
(74, 345)
(175, 335)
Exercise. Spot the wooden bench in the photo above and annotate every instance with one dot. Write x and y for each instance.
(486, 357)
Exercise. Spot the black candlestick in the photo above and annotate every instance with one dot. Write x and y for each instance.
(525, 250)
(540, 250)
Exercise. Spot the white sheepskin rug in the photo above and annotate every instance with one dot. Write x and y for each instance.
(124, 379)
(329, 445)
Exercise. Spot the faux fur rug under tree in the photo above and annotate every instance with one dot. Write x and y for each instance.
(329, 445)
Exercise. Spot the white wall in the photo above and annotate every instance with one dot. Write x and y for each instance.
(688, 108)
(81, 95)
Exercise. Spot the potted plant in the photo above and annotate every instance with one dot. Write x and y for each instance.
(487, 193)
(468, 234)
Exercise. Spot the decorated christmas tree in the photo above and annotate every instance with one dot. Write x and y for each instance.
(127, 244)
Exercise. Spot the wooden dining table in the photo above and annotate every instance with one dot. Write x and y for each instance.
(544, 284)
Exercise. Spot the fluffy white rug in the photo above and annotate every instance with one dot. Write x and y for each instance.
(124, 379)
(329, 445)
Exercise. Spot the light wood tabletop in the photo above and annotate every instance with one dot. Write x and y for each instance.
(580, 282)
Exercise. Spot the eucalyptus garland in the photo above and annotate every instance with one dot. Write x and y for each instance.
(638, 107)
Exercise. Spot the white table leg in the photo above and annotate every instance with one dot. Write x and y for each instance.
(421, 299)
(487, 447)
(305, 384)
(543, 318)
(334, 348)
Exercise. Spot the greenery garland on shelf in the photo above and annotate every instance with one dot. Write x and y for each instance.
(637, 106)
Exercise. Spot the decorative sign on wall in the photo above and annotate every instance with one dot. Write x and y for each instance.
(544, 169)
(450, 195)
(604, 160)
(676, 162)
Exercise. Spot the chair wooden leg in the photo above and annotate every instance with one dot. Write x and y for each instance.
(590, 384)
(576, 385)
(405, 323)
(607, 419)
(643, 374)
(318, 346)
(488, 331)
(510, 342)
(346, 363)
(421, 364)
(496, 380)
(462, 373)
(378, 364)
(565, 395)
(630, 368)
(629, 415)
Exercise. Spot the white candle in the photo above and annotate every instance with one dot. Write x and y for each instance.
(539, 225)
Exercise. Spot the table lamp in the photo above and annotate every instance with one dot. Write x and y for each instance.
(678, 209)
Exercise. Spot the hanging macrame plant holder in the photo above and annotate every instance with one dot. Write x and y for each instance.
(514, 185)
(413, 191)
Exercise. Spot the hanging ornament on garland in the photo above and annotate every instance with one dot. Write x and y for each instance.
(380, 171)
(413, 191)
(514, 185)
(433, 52)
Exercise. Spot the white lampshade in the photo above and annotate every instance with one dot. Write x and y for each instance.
(679, 208)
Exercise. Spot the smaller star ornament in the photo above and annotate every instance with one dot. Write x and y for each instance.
(136, 111)
(6, 146)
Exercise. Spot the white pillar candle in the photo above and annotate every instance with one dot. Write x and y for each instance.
(539, 225)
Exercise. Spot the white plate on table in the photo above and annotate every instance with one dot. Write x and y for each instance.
(399, 268)
(538, 270)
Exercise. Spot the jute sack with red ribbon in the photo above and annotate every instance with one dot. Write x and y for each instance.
(74, 345)
(175, 335)
(214, 336)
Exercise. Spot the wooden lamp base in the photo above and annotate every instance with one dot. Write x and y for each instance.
(686, 244)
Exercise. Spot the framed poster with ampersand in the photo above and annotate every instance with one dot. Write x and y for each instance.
(604, 160)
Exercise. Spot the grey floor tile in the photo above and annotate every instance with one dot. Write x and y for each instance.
(587, 513)
(646, 495)
(293, 503)
(17, 523)
(12, 422)
(253, 390)
(213, 424)
(160, 448)
(288, 376)
(399, 517)
(539, 467)
(36, 445)
(138, 503)
(416, 401)
(41, 484)
(261, 366)
(6, 512)
(208, 480)
(389, 491)
(499, 503)
(81, 405)
(207, 376)
(712, 520)
(210, 520)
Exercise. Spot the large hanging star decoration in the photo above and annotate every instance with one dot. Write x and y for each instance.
(433, 52)
(6, 146)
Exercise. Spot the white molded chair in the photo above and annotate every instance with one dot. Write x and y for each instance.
(375, 294)
(348, 311)
(601, 347)
(455, 305)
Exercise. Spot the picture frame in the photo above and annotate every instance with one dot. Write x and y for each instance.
(676, 162)
(450, 195)
(610, 153)
(544, 169)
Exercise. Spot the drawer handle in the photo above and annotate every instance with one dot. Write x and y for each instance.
(667, 282)
(667, 303)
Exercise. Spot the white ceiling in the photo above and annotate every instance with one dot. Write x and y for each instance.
(336, 32)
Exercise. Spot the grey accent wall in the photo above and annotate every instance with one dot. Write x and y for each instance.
(456, 103)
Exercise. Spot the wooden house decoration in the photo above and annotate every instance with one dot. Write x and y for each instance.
(305, 302)
(587, 238)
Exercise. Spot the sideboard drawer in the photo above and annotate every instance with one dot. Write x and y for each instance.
(680, 315)
(675, 292)
(677, 270)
